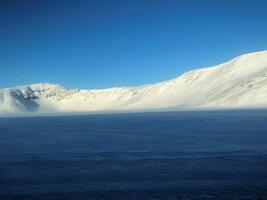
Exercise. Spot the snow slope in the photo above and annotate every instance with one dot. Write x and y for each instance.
(239, 83)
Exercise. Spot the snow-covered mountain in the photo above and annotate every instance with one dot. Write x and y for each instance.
(239, 83)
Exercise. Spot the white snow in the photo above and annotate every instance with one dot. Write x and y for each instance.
(239, 83)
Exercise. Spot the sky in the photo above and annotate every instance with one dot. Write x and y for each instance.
(109, 43)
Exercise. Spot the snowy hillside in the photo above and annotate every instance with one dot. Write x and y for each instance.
(239, 83)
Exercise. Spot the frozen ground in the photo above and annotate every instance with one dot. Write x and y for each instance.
(175, 155)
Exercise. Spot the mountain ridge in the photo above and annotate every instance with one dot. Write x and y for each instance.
(238, 83)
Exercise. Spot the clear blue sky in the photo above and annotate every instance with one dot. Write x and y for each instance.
(98, 44)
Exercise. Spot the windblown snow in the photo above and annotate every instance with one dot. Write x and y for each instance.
(239, 83)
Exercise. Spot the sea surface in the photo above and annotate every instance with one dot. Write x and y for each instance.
(138, 156)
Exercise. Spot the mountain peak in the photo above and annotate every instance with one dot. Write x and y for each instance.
(45, 85)
(238, 83)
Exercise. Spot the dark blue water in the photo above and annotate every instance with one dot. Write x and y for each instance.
(175, 155)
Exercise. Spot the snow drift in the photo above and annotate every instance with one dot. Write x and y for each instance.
(239, 83)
